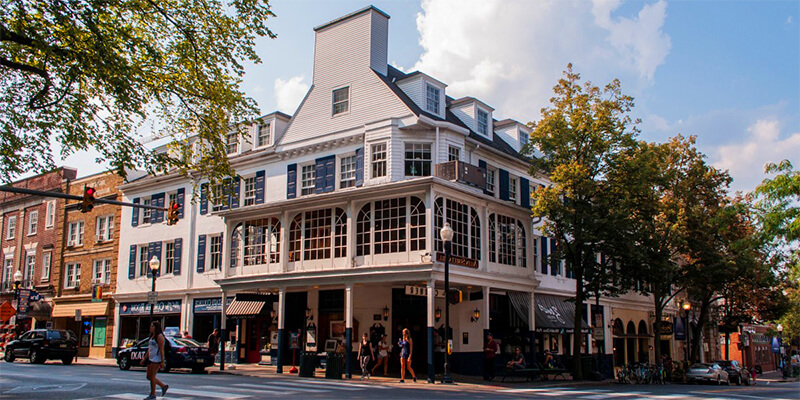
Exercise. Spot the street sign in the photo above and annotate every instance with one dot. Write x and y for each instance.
(6, 312)
(78, 315)
(24, 301)
(152, 298)
(598, 327)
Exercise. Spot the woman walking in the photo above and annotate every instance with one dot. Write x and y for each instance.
(365, 355)
(383, 356)
(406, 348)
(155, 358)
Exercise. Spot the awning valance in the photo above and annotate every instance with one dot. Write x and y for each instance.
(88, 309)
(248, 304)
(556, 315)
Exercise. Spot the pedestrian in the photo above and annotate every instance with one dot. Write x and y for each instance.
(155, 360)
(186, 335)
(489, 353)
(213, 343)
(753, 374)
(365, 355)
(383, 355)
(517, 361)
(406, 348)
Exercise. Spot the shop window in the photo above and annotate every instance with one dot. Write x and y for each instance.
(399, 224)
(340, 234)
(261, 241)
(507, 241)
(466, 226)
(312, 234)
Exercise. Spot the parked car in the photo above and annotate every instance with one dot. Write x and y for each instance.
(737, 373)
(707, 372)
(40, 345)
(181, 353)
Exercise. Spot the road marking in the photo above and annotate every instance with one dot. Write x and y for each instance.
(261, 391)
(283, 387)
(200, 393)
(530, 390)
(129, 380)
(125, 396)
(343, 384)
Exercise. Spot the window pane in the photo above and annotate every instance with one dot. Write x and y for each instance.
(341, 100)
(378, 160)
(418, 159)
(348, 172)
(308, 179)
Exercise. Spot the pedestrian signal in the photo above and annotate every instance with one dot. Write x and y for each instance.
(454, 297)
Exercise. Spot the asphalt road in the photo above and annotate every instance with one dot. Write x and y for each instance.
(22, 380)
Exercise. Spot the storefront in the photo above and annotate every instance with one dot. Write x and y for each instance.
(206, 317)
(555, 324)
(135, 319)
(90, 321)
(249, 314)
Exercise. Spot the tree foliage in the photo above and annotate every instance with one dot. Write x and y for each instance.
(86, 74)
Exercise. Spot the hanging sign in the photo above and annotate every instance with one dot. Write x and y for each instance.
(423, 291)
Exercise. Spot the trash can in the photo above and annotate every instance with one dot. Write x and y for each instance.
(335, 366)
(308, 362)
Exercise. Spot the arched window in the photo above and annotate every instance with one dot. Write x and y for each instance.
(363, 229)
(314, 235)
(262, 241)
(507, 241)
(642, 328)
(399, 225)
(630, 329)
(466, 228)
(236, 237)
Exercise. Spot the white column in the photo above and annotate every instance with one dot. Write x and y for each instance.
(431, 302)
(284, 244)
(348, 306)
(532, 312)
(485, 311)
(429, 218)
(351, 233)
(281, 307)
(115, 343)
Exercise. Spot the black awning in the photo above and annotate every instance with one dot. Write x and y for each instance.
(556, 315)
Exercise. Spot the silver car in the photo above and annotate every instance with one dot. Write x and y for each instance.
(707, 373)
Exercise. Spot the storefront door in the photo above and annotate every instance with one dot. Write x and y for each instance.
(253, 340)
(410, 312)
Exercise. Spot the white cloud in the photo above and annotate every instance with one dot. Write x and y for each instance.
(511, 53)
(745, 160)
(289, 93)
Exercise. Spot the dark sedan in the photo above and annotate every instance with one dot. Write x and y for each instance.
(736, 372)
(40, 345)
(181, 353)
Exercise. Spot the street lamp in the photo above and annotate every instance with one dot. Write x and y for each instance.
(446, 234)
(686, 306)
(154, 265)
(17, 285)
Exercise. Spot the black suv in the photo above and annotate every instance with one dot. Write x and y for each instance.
(41, 345)
(736, 372)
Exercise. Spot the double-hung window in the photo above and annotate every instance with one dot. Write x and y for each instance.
(144, 264)
(347, 168)
(490, 180)
(50, 216)
(418, 159)
(215, 252)
(30, 269)
(432, 103)
(33, 222)
(453, 153)
(483, 122)
(73, 272)
(8, 268)
(512, 189)
(47, 262)
(341, 100)
(249, 191)
(169, 257)
(147, 213)
(379, 156)
(102, 271)
(105, 228)
(263, 135)
(232, 142)
(308, 179)
(12, 227)
(75, 234)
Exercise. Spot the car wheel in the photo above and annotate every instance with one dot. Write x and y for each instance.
(124, 363)
(9, 356)
(67, 360)
(37, 357)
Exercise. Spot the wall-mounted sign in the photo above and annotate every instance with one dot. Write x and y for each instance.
(141, 308)
(213, 305)
(666, 328)
(423, 291)
(457, 260)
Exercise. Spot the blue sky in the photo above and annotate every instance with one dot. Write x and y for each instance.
(725, 71)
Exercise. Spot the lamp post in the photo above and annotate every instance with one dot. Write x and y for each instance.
(446, 234)
(686, 306)
(17, 284)
(154, 266)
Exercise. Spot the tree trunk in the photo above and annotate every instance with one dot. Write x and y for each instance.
(577, 334)
(697, 344)
(659, 311)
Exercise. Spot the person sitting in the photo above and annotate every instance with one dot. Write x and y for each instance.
(517, 361)
(549, 362)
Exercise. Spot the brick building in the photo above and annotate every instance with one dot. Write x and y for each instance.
(30, 242)
(91, 243)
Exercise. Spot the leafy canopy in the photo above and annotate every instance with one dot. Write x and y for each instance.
(84, 74)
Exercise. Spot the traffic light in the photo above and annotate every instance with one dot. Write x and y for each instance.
(173, 213)
(87, 204)
(454, 297)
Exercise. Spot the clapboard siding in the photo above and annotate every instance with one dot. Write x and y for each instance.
(379, 36)
(413, 88)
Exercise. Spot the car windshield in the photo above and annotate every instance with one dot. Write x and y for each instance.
(723, 364)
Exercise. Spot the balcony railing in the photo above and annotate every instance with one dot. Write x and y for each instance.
(462, 172)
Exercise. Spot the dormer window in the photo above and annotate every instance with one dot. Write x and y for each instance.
(523, 139)
(232, 142)
(264, 135)
(483, 122)
(341, 100)
(433, 95)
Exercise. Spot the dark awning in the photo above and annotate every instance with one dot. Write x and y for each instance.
(556, 315)
(249, 304)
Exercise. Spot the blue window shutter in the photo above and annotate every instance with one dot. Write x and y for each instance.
(132, 263)
(201, 253)
(503, 181)
(319, 175)
(181, 197)
(177, 256)
(360, 167)
(158, 201)
(554, 267)
(203, 199)
(237, 187)
(482, 164)
(135, 213)
(330, 173)
(291, 181)
(524, 192)
(260, 181)
(544, 255)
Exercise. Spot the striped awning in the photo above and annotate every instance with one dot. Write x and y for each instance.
(242, 308)
(88, 309)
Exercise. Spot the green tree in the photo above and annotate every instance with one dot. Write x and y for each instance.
(84, 74)
(583, 135)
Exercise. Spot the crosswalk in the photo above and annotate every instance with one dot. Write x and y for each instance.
(253, 390)
(611, 394)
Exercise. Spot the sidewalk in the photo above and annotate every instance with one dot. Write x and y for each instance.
(774, 377)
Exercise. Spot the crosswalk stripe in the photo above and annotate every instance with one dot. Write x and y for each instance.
(125, 396)
(262, 391)
(283, 387)
(200, 393)
(343, 384)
